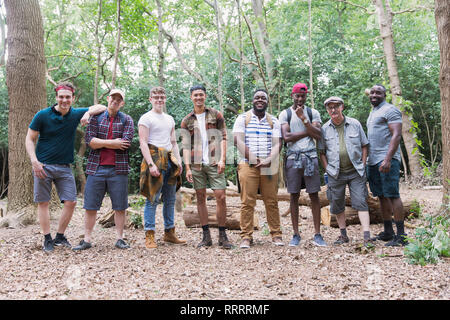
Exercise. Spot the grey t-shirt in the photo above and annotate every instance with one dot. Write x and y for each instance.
(378, 131)
(296, 125)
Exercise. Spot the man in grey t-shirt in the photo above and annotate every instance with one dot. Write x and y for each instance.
(302, 164)
(384, 130)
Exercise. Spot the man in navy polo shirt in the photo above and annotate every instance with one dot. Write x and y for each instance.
(50, 144)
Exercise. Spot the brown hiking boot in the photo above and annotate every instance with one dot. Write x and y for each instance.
(223, 240)
(150, 242)
(206, 241)
(170, 236)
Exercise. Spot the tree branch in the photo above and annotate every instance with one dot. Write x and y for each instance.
(415, 9)
(357, 6)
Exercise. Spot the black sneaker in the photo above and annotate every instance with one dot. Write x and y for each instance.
(341, 240)
(82, 246)
(61, 241)
(48, 245)
(398, 241)
(384, 236)
(121, 244)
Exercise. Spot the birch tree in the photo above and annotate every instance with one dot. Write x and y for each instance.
(385, 15)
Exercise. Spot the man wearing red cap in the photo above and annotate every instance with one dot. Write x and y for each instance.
(49, 144)
(299, 128)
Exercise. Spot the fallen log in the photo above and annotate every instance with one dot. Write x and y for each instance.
(192, 219)
(351, 215)
(283, 195)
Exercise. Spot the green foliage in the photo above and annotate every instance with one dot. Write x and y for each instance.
(137, 203)
(431, 241)
(136, 220)
(415, 209)
(347, 58)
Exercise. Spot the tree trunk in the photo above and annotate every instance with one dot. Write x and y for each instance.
(385, 21)
(3, 39)
(116, 51)
(25, 79)
(442, 15)
(241, 56)
(263, 39)
(161, 55)
(219, 46)
(311, 90)
(82, 150)
(99, 51)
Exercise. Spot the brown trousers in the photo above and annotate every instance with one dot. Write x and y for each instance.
(250, 180)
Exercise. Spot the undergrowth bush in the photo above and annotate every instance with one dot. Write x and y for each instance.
(431, 241)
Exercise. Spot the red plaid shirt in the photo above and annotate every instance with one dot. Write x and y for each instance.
(213, 120)
(100, 130)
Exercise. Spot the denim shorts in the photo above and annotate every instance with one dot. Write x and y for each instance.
(358, 192)
(61, 175)
(105, 180)
(384, 184)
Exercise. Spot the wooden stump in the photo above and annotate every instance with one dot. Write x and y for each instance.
(106, 220)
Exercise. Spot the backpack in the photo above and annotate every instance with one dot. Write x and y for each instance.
(289, 114)
(248, 118)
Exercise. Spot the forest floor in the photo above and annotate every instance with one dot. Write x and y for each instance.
(263, 272)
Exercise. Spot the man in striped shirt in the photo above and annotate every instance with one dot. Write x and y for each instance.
(257, 136)
(109, 136)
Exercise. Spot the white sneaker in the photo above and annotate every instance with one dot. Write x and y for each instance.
(278, 241)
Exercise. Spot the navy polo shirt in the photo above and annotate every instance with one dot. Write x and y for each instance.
(56, 134)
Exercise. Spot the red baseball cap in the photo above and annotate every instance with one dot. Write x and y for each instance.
(299, 87)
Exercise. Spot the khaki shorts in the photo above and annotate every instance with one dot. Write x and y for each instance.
(208, 174)
(358, 192)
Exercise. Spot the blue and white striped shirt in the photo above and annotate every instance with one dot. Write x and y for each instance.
(258, 134)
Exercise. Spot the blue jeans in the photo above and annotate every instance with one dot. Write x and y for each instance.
(169, 194)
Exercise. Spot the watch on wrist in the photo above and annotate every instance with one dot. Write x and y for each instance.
(305, 121)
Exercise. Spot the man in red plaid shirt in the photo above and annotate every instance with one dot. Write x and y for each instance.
(109, 136)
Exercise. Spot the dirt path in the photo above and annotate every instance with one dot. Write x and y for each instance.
(263, 272)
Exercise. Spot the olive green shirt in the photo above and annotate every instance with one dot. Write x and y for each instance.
(345, 164)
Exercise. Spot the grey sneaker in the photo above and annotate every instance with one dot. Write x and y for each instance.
(318, 240)
(295, 240)
(341, 240)
(82, 246)
(120, 244)
(61, 241)
(48, 245)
